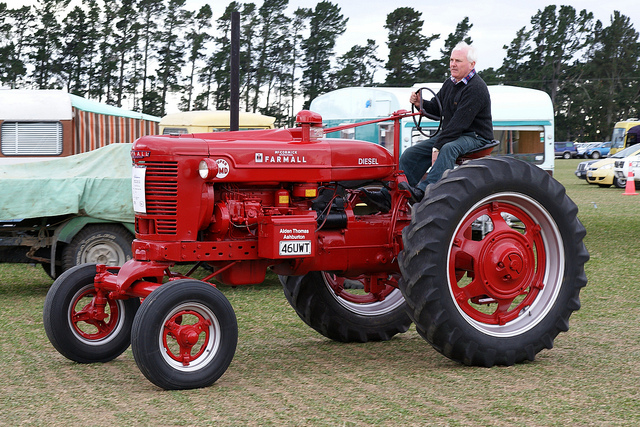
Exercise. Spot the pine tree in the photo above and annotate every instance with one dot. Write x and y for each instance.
(557, 39)
(149, 11)
(219, 62)
(75, 51)
(15, 24)
(438, 69)
(326, 23)
(514, 66)
(247, 67)
(298, 24)
(358, 66)
(92, 41)
(171, 49)
(196, 38)
(45, 44)
(125, 40)
(615, 73)
(407, 46)
(273, 27)
(106, 66)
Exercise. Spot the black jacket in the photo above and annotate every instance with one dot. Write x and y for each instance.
(465, 108)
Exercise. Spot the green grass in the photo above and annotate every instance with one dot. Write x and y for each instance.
(284, 373)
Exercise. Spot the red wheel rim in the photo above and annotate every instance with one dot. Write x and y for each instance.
(337, 283)
(504, 269)
(365, 302)
(98, 317)
(186, 336)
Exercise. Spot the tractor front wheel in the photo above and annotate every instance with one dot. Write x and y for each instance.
(340, 309)
(83, 323)
(493, 262)
(184, 335)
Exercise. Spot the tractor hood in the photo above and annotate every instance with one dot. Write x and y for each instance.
(280, 155)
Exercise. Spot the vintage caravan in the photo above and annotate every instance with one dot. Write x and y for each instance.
(44, 124)
(204, 121)
(523, 119)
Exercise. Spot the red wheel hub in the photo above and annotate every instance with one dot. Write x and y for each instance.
(182, 333)
(97, 318)
(506, 266)
(504, 263)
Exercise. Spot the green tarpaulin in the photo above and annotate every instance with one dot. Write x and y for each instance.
(96, 184)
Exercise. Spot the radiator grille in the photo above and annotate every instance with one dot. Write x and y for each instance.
(162, 195)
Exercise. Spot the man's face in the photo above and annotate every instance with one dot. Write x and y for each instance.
(459, 65)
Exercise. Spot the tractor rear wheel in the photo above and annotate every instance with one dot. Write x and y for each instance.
(85, 325)
(493, 262)
(339, 309)
(184, 335)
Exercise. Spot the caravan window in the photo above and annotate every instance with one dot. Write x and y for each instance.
(174, 131)
(31, 138)
(523, 142)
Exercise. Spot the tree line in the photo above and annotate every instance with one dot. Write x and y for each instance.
(137, 53)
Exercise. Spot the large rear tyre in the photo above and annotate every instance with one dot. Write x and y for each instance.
(184, 335)
(339, 310)
(493, 262)
(83, 324)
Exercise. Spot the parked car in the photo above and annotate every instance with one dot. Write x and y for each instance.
(599, 151)
(602, 172)
(581, 170)
(565, 149)
(623, 167)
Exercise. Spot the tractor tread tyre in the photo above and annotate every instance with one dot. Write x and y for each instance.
(72, 286)
(432, 237)
(318, 306)
(151, 336)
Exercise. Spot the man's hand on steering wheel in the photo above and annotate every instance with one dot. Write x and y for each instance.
(414, 99)
(416, 103)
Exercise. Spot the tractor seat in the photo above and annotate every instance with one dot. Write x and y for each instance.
(483, 151)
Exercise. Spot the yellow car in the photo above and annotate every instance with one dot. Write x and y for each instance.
(602, 172)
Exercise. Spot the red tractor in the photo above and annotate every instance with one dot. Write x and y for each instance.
(489, 266)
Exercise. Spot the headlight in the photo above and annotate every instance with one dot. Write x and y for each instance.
(208, 169)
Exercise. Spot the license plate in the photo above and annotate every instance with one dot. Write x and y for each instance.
(293, 248)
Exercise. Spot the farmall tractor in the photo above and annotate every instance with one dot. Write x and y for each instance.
(489, 265)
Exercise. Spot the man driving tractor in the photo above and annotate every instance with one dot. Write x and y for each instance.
(466, 126)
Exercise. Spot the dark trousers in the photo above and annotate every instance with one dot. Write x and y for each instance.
(416, 159)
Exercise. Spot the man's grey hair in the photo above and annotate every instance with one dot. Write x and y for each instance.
(472, 55)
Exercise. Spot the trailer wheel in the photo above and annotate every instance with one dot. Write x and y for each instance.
(344, 312)
(493, 262)
(108, 244)
(84, 325)
(184, 335)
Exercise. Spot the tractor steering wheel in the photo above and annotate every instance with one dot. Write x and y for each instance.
(423, 113)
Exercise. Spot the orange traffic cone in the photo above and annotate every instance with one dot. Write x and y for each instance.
(630, 188)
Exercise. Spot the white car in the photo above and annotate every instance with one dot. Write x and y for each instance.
(623, 167)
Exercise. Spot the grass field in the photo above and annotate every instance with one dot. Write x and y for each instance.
(284, 373)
